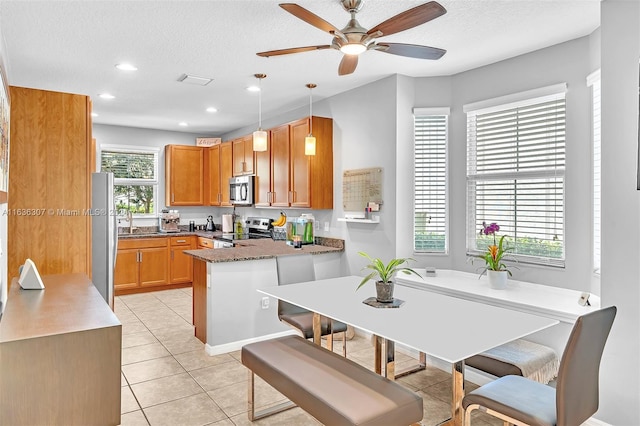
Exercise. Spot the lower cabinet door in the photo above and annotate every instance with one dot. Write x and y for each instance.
(154, 266)
(181, 265)
(126, 273)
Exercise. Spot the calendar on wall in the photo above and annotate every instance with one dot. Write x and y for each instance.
(361, 187)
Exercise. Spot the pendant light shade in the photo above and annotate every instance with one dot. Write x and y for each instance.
(310, 140)
(260, 136)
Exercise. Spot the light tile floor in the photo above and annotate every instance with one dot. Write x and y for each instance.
(168, 379)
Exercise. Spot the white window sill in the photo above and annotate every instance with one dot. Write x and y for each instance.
(552, 302)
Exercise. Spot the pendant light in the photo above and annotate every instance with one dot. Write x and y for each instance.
(310, 140)
(260, 136)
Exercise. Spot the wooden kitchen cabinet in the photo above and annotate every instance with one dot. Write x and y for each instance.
(286, 177)
(141, 264)
(243, 156)
(181, 264)
(212, 176)
(51, 164)
(218, 170)
(184, 175)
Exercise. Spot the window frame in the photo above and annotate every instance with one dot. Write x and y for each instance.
(505, 103)
(593, 81)
(155, 183)
(433, 112)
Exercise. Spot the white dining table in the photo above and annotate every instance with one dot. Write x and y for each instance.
(445, 327)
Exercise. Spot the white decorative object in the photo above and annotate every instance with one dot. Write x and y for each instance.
(497, 279)
(208, 141)
(29, 276)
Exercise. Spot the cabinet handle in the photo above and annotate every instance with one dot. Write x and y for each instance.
(290, 197)
(219, 197)
(181, 241)
(173, 198)
(172, 251)
(140, 256)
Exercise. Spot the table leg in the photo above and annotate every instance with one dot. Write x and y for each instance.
(317, 328)
(389, 359)
(377, 350)
(457, 373)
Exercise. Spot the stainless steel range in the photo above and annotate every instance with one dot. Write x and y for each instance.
(256, 227)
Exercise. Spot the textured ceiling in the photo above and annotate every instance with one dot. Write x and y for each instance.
(72, 46)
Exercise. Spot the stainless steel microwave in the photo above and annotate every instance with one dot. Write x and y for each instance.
(241, 190)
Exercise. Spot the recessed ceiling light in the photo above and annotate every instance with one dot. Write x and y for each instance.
(183, 124)
(106, 96)
(253, 88)
(126, 67)
(212, 109)
(93, 114)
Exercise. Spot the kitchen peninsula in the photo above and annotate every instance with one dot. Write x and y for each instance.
(228, 312)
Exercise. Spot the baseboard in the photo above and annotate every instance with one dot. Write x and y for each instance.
(237, 345)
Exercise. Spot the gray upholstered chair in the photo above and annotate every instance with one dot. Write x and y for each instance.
(295, 269)
(518, 400)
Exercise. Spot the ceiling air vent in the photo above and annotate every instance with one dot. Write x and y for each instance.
(192, 79)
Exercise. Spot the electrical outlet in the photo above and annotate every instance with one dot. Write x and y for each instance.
(265, 303)
(326, 226)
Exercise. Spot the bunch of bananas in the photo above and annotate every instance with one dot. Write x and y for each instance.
(281, 220)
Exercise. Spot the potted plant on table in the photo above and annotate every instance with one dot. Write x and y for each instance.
(385, 274)
(494, 266)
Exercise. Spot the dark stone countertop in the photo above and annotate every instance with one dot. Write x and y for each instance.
(265, 249)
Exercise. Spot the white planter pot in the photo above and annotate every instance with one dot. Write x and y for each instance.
(497, 279)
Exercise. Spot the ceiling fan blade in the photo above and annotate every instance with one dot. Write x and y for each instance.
(308, 17)
(411, 50)
(410, 18)
(348, 64)
(292, 50)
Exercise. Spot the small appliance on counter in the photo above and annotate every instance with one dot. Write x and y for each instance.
(210, 226)
(300, 230)
(169, 221)
(227, 223)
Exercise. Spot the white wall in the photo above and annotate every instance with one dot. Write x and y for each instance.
(4, 285)
(620, 52)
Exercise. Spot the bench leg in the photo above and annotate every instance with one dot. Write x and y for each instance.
(253, 415)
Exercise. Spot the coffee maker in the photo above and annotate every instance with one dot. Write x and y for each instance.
(169, 221)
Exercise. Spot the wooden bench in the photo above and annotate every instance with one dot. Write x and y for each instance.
(333, 389)
(499, 363)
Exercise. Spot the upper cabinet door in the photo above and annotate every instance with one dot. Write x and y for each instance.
(280, 148)
(226, 171)
(212, 176)
(243, 156)
(262, 168)
(300, 165)
(184, 175)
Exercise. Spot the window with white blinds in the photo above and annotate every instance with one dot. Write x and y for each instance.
(515, 177)
(430, 181)
(594, 81)
(135, 176)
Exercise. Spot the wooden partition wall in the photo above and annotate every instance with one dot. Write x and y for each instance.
(50, 182)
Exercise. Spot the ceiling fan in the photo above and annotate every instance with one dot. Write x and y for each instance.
(353, 39)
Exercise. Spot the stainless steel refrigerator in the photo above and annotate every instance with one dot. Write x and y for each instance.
(104, 234)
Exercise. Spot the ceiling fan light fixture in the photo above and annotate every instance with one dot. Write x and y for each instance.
(353, 48)
(260, 136)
